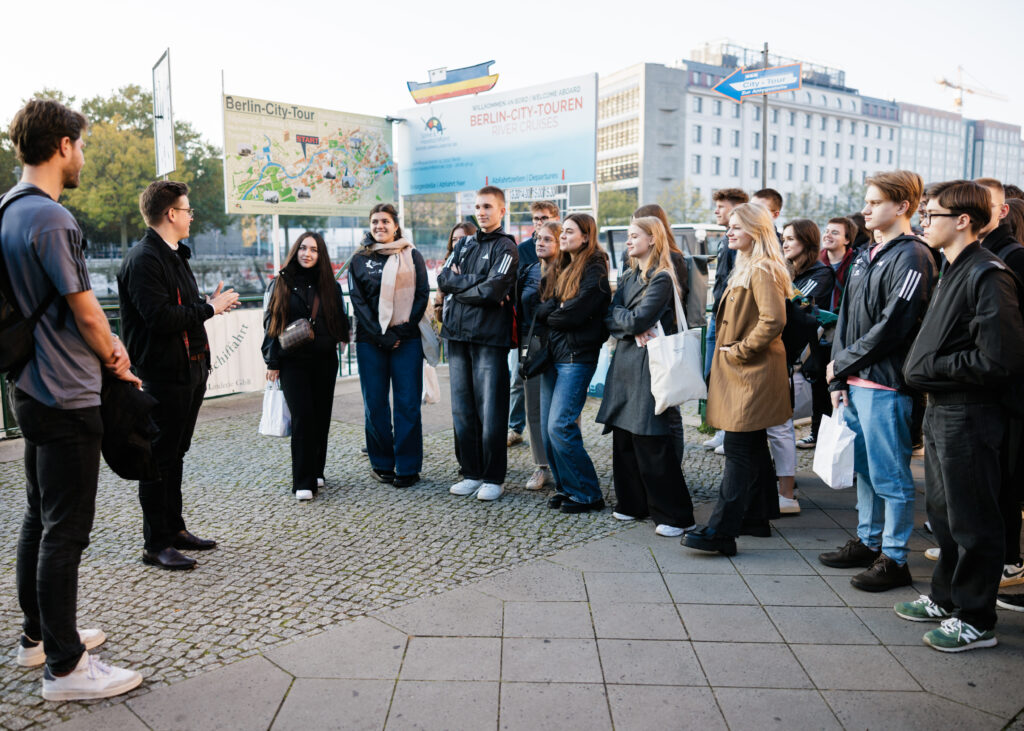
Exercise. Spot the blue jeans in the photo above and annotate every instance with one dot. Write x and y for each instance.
(885, 487)
(479, 380)
(401, 372)
(517, 400)
(709, 347)
(563, 391)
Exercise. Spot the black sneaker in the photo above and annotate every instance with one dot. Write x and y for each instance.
(385, 476)
(405, 480)
(571, 506)
(700, 539)
(1013, 602)
(884, 574)
(854, 555)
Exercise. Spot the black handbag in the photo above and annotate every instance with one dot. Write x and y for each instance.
(534, 356)
(300, 332)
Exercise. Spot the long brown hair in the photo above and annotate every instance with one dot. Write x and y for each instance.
(326, 285)
(468, 226)
(571, 268)
(808, 234)
(549, 272)
(653, 209)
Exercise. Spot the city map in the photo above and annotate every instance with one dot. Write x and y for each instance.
(295, 160)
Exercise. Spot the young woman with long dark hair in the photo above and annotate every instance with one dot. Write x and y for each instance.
(305, 288)
(389, 289)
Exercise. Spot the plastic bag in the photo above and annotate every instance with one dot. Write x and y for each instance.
(833, 454)
(276, 420)
(604, 359)
(431, 386)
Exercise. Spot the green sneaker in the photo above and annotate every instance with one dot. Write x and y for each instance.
(922, 609)
(954, 635)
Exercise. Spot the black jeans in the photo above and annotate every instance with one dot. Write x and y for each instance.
(308, 387)
(175, 415)
(1011, 461)
(62, 463)
(748, 483)
(480, 392)
(649, 480)
(962, 478)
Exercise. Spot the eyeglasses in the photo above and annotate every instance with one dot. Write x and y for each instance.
(926, 216)
(191, 211)
(541, 219)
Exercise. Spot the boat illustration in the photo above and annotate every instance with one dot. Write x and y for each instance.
(447, 83)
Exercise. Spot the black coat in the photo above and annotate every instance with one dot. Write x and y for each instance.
(576, 328)
(1000, 241)
(972, 337)
(364, 277)
(301, 299)
(161, 309)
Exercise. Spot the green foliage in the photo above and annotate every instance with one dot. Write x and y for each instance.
(615, 207)
(683, 204)
(807, 203)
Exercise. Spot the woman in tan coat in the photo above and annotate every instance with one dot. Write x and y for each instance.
(749, 386)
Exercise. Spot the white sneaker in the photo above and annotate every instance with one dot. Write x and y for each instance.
(623, 517)
(789, 506)
(489, 491)
(716, 441)
(465, 487)
(303, 495)
(932, 554)
(30, 657)
(540, 478)
(1013, 574)
(720, 449)
(671, 531)
(319, 482)
(90, 679)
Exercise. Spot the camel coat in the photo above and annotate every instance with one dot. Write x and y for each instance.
(749, 385)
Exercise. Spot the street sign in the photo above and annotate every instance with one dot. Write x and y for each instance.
(760, 81)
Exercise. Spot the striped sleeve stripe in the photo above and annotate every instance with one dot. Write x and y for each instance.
(910, 283)
(810, 288)
(505, 263)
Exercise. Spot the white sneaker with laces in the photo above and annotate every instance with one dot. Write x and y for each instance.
(90, 679)
(671, 531)
(1013, 574)
(788, 506)
(720, 449)
(932, 554)
(30, 657)
(716, 441)
(623, 517)
(303, 495)
(541, 477)
(489, 491)
(465, 487)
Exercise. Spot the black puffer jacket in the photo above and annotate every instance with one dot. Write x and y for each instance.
(483, 291)
(881, 312)
(576, 328)
(300, 304)
(972, 337)
(364, 275)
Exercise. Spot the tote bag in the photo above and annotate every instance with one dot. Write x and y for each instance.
(677, 374)
(276, 420)
(833, 454)
(431, 386)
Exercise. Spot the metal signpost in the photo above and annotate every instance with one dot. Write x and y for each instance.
(163, 116)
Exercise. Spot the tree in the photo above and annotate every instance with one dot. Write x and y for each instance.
(615, 207)
(684, 204)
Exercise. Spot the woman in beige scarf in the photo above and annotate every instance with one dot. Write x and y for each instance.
(389, 289)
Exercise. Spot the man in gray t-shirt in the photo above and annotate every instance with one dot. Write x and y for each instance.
(57, 402)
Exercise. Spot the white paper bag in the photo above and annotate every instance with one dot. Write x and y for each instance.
(431, 386)
(833, 454)
(276, 420)
(677, 373)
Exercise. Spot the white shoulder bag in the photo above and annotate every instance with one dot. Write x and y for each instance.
(677, 374)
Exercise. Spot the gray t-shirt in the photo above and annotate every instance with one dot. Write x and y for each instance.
(42, 248)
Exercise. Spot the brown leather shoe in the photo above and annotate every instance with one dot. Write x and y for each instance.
(854, 555)
(883, 575)
(185, 541)
(169, 559)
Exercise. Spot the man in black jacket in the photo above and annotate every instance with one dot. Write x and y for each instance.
(971, 343)
(481, 276)
(162, 316)
(887, 292)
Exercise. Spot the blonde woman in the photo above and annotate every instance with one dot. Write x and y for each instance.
(749, 387)
(647, 474)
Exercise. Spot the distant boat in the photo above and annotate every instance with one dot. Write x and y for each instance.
(445, 84)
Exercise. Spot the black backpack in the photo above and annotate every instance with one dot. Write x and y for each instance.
(17, 342)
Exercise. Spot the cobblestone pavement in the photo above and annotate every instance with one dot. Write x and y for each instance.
(285, 570)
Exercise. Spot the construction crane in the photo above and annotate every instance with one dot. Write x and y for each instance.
(959, 86)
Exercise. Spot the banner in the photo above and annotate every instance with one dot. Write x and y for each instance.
(541, 135)
(235, 357)
(303, 161)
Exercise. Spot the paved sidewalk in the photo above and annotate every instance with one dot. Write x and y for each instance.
(573, 625)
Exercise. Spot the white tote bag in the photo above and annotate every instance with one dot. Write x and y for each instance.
(276, 420)
(431, 386)
(833, 454)
(677, 374)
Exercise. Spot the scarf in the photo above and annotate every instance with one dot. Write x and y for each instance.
(397, 283)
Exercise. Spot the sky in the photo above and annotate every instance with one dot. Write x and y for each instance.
(356, 57)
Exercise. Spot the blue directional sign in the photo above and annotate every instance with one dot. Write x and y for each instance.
(760, 81)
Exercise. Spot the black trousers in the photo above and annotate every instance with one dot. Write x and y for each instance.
(62, 463)
(748, 483)
(175, 415)
(962, 477)
(821, 404)
(1011, 461)
(308, 387)
(648, 479)
(675, 429)
(480, 384)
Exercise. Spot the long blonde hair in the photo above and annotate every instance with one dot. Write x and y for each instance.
(662, 255)
(765, 253)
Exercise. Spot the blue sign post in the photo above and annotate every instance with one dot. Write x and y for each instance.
(742, 83)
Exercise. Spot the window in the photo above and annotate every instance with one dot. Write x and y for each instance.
(790, 144)
(890, 157)
(807, 147)
(878, 155)
(736, 111)
(835, 175)
(789, 171)
(735, 138)
(716, 166)
(836, 155)
(716, 107)
(821, 148)
(698, 104)
(757, 141)
(865, 129)
(734, 167)
(757, 114)
(865, 154)
(775, 116)
(756, 168)
(853, 152)
(853, 127)
(621, 167)
(821, 174)
(716, 136)
(807, 121)
(621, 134)
(698, 132)
(771, 172)
(878, 131)
(807, 173)
(824, 123)
(774, 142)
(839, 125)
(695, 164)
(792, 119)
(624, 101)
(892, 133)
